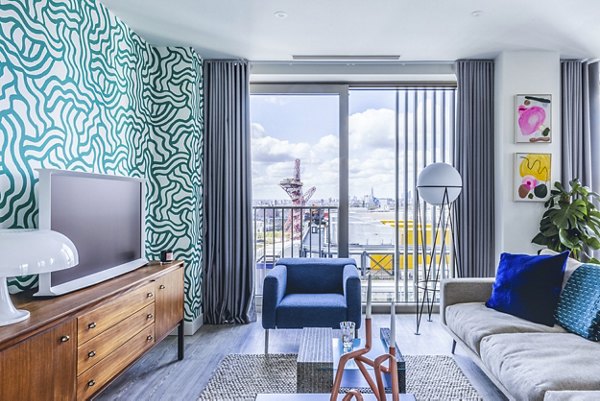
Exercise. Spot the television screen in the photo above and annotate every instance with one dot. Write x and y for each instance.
(102, 215)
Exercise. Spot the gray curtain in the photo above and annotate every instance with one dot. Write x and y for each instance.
(580, 92)
(474, 160)
(228, 281)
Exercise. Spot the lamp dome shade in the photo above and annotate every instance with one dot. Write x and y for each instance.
(435, 179)
(27, 252)
(30, 252)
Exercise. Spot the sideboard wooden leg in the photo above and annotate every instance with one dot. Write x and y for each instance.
(180, 345)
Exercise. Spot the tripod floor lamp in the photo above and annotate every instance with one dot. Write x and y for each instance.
(438, 184)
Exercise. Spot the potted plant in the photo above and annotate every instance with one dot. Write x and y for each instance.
(571, 221)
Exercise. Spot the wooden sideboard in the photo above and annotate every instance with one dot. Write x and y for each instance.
(74, 345)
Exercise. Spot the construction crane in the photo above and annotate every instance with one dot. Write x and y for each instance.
(294, 188)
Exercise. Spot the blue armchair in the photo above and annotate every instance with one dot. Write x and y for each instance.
(305, 292)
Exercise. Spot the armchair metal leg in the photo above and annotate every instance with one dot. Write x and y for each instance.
(453, 346)
(266, 341)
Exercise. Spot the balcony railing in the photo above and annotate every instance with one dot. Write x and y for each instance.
(312, 231)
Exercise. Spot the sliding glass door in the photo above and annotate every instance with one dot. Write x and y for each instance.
(393, 134)
(334, 172)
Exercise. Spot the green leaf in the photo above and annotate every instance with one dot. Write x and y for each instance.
(593, 242)
(566, 238)
(541, 239)
(567, 216)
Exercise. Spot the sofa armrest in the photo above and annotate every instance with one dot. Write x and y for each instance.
(352, 293)
(461, 290)
(273, 292)
(572, 396)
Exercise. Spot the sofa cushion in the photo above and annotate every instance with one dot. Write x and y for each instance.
(572, 396)
(578, 308)
(529, 286)
(473, 321)
(315, 275)
(311, 310)
(529, 364)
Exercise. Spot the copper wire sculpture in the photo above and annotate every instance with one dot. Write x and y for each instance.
(377, 385)
(353, 394)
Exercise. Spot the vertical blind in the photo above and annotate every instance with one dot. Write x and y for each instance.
(424, 133)
(425, 130)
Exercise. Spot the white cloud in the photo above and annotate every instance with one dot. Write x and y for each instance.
(372, 159)
(269, 149)
(257, 130)
(372, 129)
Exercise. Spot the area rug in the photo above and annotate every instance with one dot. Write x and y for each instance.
(240, 377)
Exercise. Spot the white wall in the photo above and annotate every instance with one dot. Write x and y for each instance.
(522, 72)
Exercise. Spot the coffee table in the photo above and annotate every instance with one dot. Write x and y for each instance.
(320, 351)
(323, 397)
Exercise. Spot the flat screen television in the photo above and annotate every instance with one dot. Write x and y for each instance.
(104, 217)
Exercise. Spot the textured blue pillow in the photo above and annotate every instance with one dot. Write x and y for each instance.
(528, 286)
(578, 308)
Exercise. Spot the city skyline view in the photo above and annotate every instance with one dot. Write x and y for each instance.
(306, 127)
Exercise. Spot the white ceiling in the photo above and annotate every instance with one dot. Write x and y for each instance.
(424, 30)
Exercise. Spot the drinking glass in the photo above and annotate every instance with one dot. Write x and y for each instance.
(347, 329)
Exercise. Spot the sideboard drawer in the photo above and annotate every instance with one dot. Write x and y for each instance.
(107, 315)
(99, 347)
(101, 373)
(47, 357)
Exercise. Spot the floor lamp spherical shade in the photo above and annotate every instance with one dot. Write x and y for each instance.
(27, 252)
(435, 179)
(438, 184)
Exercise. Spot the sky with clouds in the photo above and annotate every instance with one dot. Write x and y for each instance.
(287, 127)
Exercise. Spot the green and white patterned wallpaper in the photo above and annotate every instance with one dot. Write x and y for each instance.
(80, 91)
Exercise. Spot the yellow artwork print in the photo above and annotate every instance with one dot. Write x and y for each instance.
(533, 177)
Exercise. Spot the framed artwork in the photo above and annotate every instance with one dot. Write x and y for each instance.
(533, 116)
(533, 172)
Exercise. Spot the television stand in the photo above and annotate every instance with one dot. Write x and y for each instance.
(74, 345)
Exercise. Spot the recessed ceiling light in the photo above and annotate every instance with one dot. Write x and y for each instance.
(476, 13)
(280, 14)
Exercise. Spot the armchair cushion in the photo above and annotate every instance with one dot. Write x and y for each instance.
(311, 310)
(315, 275)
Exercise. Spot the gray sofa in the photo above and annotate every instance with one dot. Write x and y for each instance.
(526, 361)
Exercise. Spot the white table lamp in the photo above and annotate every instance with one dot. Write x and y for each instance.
(24, 252)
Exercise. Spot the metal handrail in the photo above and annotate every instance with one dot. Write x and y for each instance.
(276, 235)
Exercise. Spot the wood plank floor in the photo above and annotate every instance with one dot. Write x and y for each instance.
(159, 376)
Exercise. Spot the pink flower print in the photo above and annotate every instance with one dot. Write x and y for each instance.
(529, 182)
(531, 119)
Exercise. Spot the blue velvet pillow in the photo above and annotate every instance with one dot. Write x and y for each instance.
(579, 305)
(528, 286)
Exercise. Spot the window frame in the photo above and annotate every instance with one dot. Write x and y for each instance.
(343, 92)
